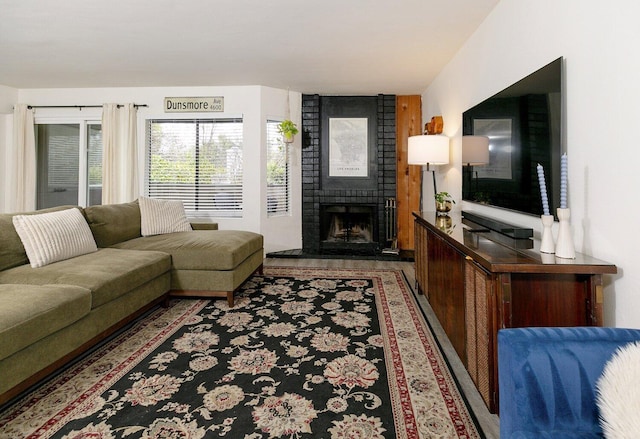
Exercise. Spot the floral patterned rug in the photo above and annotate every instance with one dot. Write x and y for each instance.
(304, 353)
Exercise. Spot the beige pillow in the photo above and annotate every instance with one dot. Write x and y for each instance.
(162, 216)
(618, 393)
(54, 236)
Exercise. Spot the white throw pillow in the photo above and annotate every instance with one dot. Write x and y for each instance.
(54, 236)
(162, 216)
(618, 394)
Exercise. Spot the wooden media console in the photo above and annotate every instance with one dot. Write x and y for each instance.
(477, 286)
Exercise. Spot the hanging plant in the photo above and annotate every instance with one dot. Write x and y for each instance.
(288, 129)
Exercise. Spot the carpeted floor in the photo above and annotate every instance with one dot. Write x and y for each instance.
(306, 352)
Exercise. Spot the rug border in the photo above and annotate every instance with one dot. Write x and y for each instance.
(472, 413)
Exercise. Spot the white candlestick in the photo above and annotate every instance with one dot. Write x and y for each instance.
(547, 245)
(564, 243)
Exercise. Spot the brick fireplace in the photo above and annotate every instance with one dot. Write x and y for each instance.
(346, 215)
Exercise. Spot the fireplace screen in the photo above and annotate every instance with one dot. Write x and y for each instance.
(348, 224)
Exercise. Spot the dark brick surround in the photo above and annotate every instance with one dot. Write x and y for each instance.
(316, 188)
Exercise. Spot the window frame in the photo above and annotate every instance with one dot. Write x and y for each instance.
(271, 213)
(221, 214)
(83, 150)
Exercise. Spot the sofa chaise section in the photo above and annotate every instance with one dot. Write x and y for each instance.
(205, 262)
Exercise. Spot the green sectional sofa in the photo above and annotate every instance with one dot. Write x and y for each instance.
(53, 313)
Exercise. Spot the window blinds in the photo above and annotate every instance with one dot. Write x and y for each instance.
(199, 162)
(69, 166)
(58, 145)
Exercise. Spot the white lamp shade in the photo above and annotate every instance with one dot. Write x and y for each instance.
(475, 150)
(431, 149)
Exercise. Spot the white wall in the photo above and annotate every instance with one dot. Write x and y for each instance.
(252, 103)
(284, 232)
(600, 42)
(8, 97)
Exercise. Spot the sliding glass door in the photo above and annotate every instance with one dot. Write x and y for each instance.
(69, 164)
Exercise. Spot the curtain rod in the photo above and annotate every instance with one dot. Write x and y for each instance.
(79, 107)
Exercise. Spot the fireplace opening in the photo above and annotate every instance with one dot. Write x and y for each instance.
(348, 228)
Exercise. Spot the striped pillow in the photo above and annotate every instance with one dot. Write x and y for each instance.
(162, 216)
(54, 236)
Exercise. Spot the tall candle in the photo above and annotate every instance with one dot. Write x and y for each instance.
(543, 190)
(563, 181)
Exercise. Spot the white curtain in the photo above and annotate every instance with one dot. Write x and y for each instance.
(23, 170)
(119, 154)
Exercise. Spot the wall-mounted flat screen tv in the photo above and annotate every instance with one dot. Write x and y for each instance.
(524, 125)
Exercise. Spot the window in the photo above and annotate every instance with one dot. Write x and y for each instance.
(69, 164)
(277, 171)
(198, 162)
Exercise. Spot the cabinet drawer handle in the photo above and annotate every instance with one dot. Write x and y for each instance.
(468, 258)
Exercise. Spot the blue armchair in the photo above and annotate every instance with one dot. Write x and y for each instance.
(547, 379)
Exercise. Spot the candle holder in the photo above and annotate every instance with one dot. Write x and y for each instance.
(564, 244)
(547, 245)
(548, 258)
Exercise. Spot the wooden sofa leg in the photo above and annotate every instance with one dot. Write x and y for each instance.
(230, 298)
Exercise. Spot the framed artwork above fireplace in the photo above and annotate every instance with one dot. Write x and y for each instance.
(348, 140)
(348, 147)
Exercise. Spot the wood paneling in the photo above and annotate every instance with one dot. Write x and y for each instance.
(408, 123)
(445, 276)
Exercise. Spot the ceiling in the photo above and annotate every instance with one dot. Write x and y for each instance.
(321, 46)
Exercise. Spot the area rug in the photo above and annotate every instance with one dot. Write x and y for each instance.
(304, 353)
